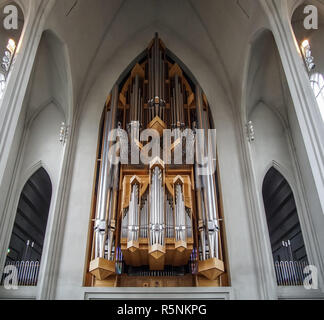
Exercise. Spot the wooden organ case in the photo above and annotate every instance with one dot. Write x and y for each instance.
(155, 222)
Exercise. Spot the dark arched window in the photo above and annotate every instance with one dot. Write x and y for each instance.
(27, 238)
(287, 243)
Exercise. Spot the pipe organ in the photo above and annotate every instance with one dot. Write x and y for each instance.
(155, 222)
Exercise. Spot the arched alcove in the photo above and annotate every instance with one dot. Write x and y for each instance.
(31, 219)
(265, 80)
(28, 234)
(285, 233)
(282, 218)
(50, 80)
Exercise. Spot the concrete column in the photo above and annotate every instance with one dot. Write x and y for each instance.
(11, 106)
(310, 126)
(35, 12)
(308, 115)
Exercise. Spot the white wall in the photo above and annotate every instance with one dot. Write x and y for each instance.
(270, 142)
(43, 143)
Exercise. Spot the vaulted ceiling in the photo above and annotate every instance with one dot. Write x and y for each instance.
(219, 31)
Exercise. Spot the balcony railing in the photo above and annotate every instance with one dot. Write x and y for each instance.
(290, 273)
(26, 272)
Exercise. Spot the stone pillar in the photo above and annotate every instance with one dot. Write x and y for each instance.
(35, 14)
(310, 125)
(308, 115)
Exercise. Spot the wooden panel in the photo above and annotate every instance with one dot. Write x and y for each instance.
(109, 282)
(204, 282)
(126, 189)
(184, 281)
(187, 187)
(173, 257)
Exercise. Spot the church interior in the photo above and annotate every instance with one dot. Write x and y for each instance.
(148, 147)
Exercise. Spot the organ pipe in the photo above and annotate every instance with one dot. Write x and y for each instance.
(144, 219)
(133, 214)
(156, 81)
(136, 101)
(209, 199)
(177, 103)
(169, 217)
(179, 213)
(106, 180)
(157, 208)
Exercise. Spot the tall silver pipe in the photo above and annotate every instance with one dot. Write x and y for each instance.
(157, 208)
(133, 224)
(161, 210)
(125, 224)
(181, 105)
(136, 97)
(209, 192)
(177, 98)
(161, 77)
(174, 109)
(105, 181)
(180, 214)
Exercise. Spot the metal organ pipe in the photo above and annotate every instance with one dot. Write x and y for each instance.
(156, 73)
(210, 223)
(169, 219)
(111, 219)
(136, 101)
(162, 214)
(180, 212)
(125, 224)
(201, 212)
(144, 219)
(133, 214)
(177, 103)
(103, 212)
(177, 98)
(157, 208)
(188, 221)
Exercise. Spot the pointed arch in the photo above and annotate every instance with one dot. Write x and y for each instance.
(248, 60)
(28, 234)
(51, 80)
(284, 228)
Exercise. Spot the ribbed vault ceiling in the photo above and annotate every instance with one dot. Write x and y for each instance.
(217, 30)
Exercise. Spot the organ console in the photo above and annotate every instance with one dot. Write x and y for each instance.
(155, 222)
